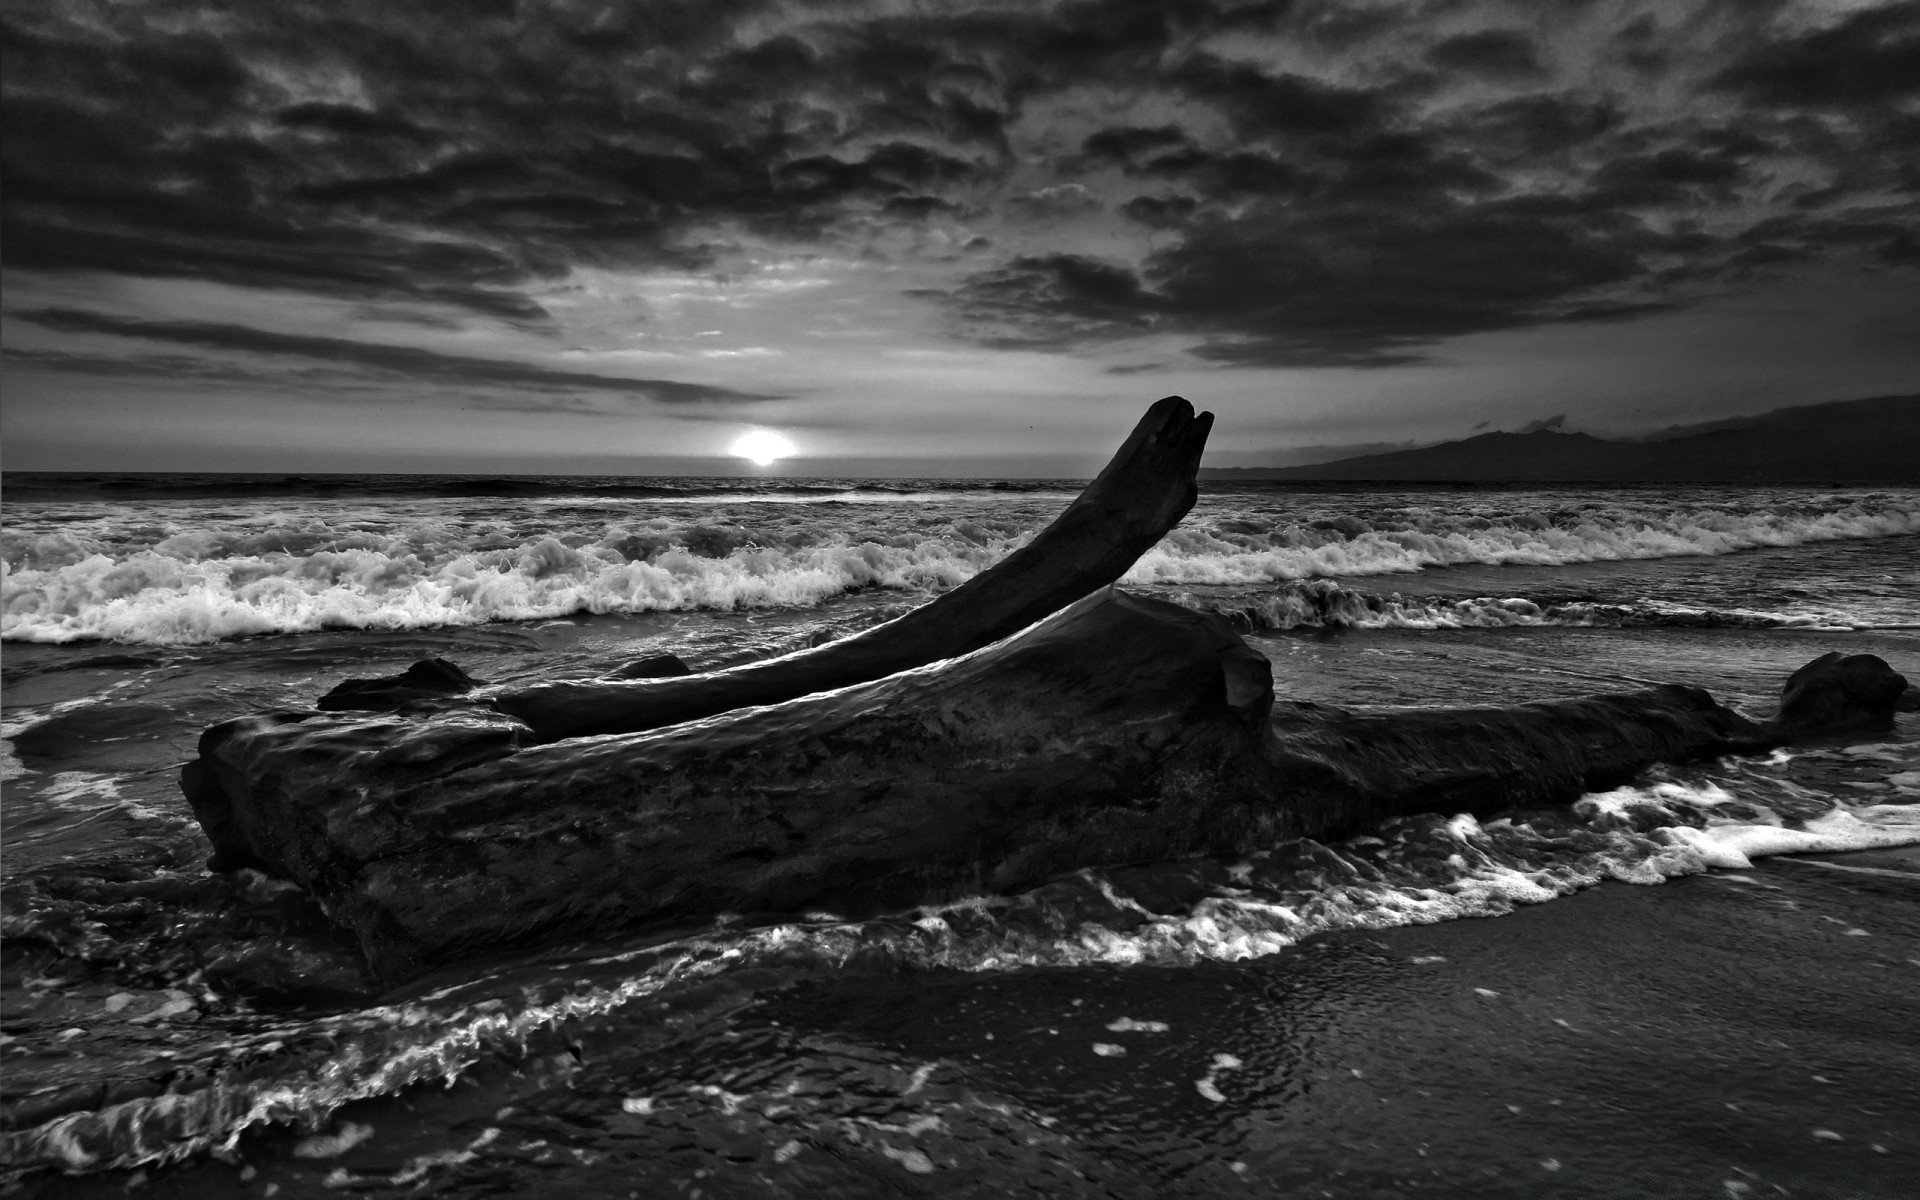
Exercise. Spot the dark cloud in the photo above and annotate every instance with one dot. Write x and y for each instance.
(1061, 200)
(1498, 53)
(1054, 300)
(457, 160)
(175, 368)
(406, 361)
(1350, 206)
(1166, 211)
(1350, 286)
(1262, 104)
(1543, 424)
(1365, 287)
(1525, 130)
(1675, 175)
(1870, 58)
(1127, 144)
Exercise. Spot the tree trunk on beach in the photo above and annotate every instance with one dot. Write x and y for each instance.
(976, 744)
(1122, 730)
(1108, 733)
(1361, 768)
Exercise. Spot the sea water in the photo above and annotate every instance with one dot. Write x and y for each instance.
(157, 1014)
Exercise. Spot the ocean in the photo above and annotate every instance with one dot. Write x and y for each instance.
(1311, 1019)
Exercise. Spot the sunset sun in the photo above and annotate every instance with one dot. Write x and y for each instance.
(763, 446)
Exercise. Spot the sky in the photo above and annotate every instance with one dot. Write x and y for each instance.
(357, 235)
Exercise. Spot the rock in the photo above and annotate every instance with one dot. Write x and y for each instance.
(430, 678)
(1129, 506)
(659, 666)
(1837, 693)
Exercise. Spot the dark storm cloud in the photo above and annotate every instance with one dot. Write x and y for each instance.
(1341, 224)
(1353, 287)
(1401, 175)
(450, 156)
(1500, 53)
(408, 361)
(1871, 58)
(1543, 125)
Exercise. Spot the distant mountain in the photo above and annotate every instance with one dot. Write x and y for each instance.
(1875, 440)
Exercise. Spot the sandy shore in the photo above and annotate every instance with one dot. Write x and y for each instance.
(1737, 1034)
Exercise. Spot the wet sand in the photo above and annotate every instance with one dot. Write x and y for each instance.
(1744, 1033)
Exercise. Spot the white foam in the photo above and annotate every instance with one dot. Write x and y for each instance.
(1191, 555)
(1735, 846)
(333, 1145)
(69, 789)
(185, 575)
(1129, 1025)
(1319, 603)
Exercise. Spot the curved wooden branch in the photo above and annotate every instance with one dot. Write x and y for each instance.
(1132, 504)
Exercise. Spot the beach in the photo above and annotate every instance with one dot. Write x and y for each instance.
(1739, 1033)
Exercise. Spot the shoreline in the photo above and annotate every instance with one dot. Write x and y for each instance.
(1722, 1034)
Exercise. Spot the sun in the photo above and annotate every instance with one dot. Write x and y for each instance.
(763, 446)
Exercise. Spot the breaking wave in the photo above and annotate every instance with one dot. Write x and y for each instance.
(1323, 604)
(1231, 552)
(128, 573)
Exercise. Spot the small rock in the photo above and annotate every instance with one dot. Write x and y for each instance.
(427, 679)
(658, 666)
(1837, 692)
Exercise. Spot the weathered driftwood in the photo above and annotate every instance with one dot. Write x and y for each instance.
(1108, 733)
(1122, 730)
(1360, 768)
(1140, 495)
(857, 776)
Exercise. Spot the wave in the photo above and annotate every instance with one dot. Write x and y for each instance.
(1418, 870)
(157, 598)
(134, 575)
(1238, 552)
(1323, 604)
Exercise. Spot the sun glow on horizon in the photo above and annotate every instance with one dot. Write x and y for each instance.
(763, 447)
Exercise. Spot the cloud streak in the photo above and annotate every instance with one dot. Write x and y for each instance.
(409, 362)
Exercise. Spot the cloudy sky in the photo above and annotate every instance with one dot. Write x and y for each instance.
(514, 234)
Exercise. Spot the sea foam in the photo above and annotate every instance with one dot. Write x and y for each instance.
(163, 575)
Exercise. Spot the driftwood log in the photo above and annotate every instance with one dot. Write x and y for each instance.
(1140, 495)
(1124, 729)
(1115, 725)
(979, 743)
